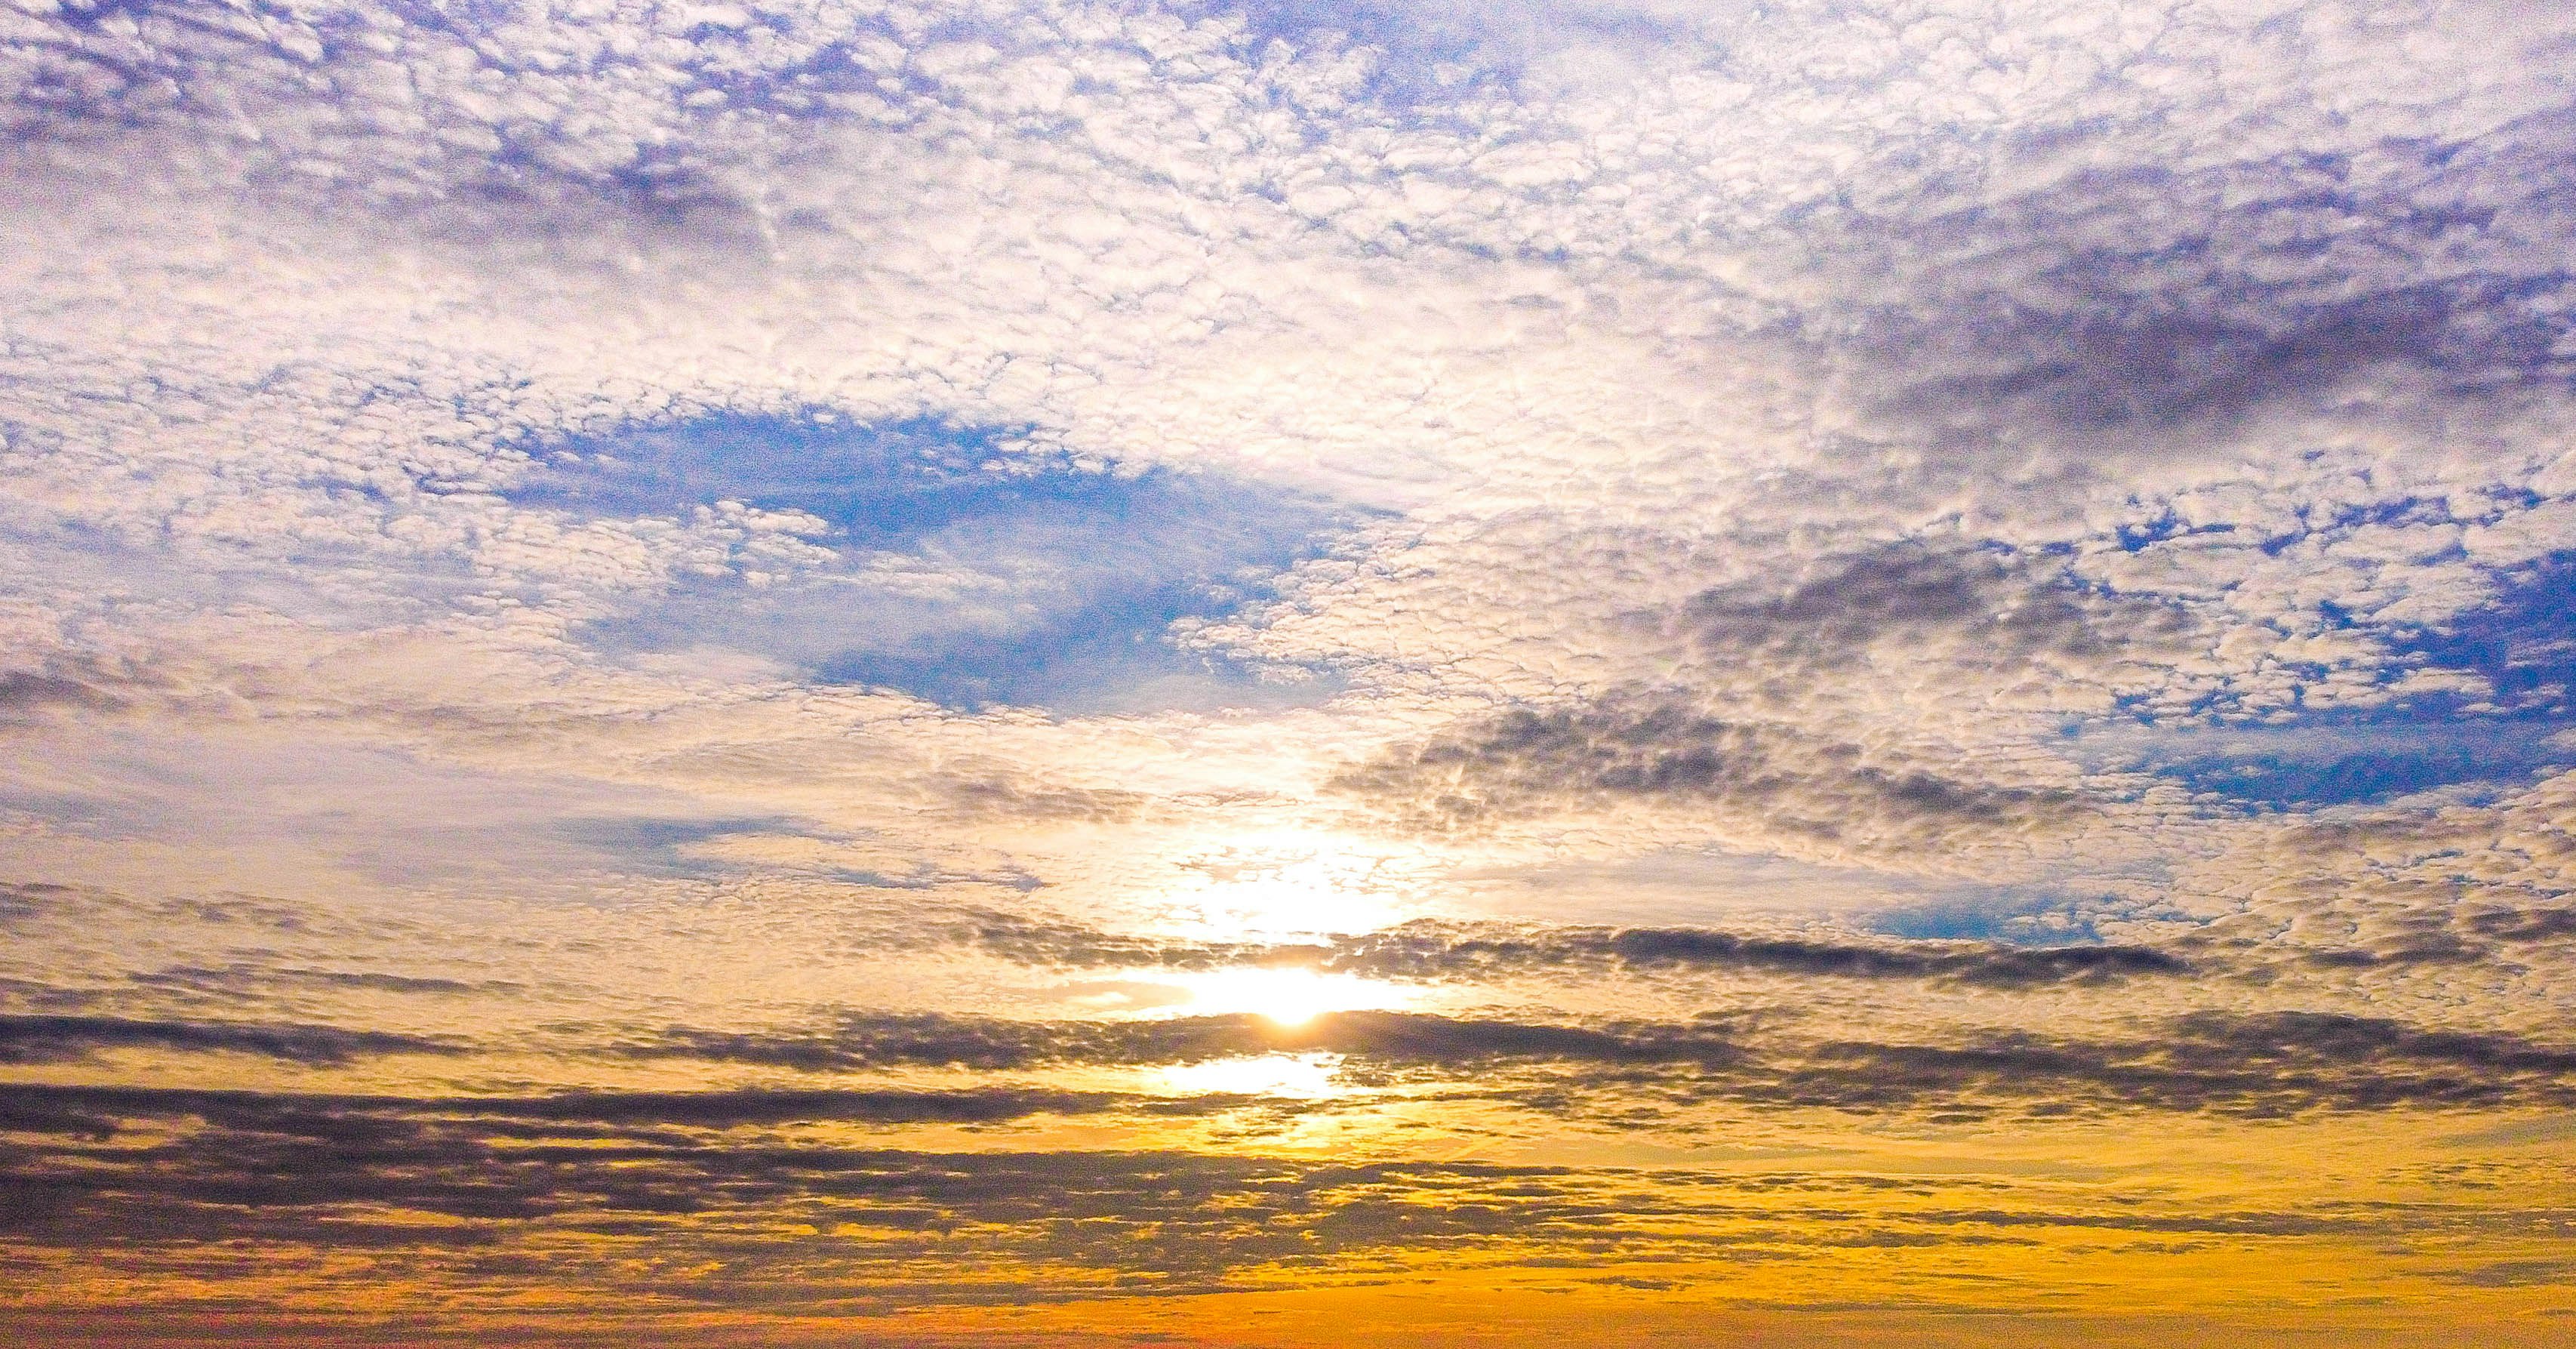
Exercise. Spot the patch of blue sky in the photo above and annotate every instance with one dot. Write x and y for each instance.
(1446, 62)
(1694, 887)
(2357, 760)
(666, 845)
(2524, 643)
(1427, 52)
(962, 565)
(2011, 916)
(2469, 745)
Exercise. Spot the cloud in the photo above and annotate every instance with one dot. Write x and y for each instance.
(1426, 950)
(627, 521)
(2269, 1065)
(1393, 1037)
(2258, 1065)
(1430, 950)
(2134, 297)
(22, 900)
(91, 1110)
(1985, 610)
(58, 1039)
(282, 1175)
(141, 1179)
(965, 565)
(1656, 749)
(23, 692)
(245, 978)
(2525, 925)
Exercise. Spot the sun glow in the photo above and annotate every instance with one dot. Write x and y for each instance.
(1285, 997)
(1292, 882)
(1306, 1075)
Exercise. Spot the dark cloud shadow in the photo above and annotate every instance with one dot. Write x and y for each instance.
(1437, 951)
(657, 1209)
(1647, 745)
(2135, 300)
(2245, 1065)
(59, 1039)
(1991, 610)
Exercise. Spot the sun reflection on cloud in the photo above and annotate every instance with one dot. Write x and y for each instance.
(1302, 1075)
(1290, 882)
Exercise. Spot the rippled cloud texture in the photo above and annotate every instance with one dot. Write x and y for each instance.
(1395, 673)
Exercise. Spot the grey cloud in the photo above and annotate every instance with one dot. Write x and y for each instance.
(2524, 925)
(2161, 367)
(56, 1039)
(1428, 950)
(759, 1106)
(2429, 951)
(1036, 940)
(2511, 1274)
(1983, 609)
(72, 682)
(683, 1191)
(25, 900)
(2248, 1065)
(885, 1041)
(2126, 298)
(683, 1179)
(23, 691)
(96, 1110)
(1641, 745)
(387, 109)
(2260, 1065)
(1013, 799)
(241, 978)
(1434, 951)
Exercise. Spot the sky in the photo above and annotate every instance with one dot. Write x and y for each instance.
(1579, 672)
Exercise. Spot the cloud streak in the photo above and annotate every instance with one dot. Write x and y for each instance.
(2260, 1065)
(1432, 950)
(64, 1038)
(285, 1171)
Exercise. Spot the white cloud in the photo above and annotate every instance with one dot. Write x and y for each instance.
(2219, 352)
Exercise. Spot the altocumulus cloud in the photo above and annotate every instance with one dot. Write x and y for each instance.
(629, 626)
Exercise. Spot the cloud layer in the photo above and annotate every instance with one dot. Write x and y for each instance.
(778, 661)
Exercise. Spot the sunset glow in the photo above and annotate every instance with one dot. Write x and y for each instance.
(1286, 997)
(1267, 673)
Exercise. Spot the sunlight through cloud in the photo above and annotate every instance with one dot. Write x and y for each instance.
(1288, 998)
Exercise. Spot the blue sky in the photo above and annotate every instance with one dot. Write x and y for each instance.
(965, 566)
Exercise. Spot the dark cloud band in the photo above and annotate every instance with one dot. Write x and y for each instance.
(57, 1039)
(1447, 951)
(2245, 1065)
